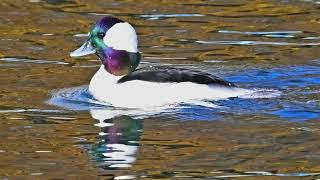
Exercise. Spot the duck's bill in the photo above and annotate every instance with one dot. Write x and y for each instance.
(85, 49)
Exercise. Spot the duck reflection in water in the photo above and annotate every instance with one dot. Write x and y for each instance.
(118, 139)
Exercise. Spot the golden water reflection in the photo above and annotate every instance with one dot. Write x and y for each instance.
(41, 141)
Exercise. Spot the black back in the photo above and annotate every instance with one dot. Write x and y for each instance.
(168, 74)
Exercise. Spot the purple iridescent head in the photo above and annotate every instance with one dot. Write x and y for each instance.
(115, 43)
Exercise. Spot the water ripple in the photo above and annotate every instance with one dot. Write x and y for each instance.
(261, 32)
(265, 173)
(27, 60)
(250, 43)
(229, 173)
(159, 16)
(312, 38)
(30, 110)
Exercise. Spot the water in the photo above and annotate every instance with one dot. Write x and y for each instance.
(51, 128)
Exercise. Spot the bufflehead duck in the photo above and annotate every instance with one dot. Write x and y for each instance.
(120, 83)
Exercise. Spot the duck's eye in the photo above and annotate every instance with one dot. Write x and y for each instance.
(101, 35)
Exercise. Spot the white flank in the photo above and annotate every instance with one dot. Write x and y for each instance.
(122, 36)
(143, 94)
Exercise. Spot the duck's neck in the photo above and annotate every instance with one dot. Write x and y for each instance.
(119, 62)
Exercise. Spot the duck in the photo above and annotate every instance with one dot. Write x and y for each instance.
(119, 81)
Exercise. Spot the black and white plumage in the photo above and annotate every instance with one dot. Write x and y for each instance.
(163, 74)
(120, 84)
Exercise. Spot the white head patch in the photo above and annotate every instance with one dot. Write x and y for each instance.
(122, 36)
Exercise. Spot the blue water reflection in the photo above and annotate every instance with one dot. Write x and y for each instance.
(292, 81)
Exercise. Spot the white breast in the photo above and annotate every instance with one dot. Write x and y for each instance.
(143, 94)
(102, 83)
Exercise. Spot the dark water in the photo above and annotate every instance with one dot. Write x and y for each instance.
(51, 129)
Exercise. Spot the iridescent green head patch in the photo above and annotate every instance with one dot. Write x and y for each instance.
(115, 43)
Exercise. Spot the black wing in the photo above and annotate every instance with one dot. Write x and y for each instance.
(167, 74)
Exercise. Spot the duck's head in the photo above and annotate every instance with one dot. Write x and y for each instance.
(115, 43)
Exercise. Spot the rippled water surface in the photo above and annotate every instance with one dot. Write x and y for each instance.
(51, 128)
